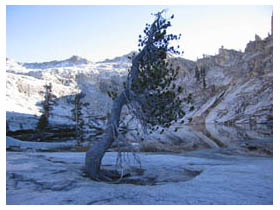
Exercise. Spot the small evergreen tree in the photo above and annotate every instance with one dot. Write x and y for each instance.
(47, 107)
(77, 116)
(197, 74)
(203, 75)
(43, 122)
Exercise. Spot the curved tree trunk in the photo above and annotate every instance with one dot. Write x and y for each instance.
(96, 152)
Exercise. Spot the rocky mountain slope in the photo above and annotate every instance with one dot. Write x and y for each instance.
(238, 86)
(229, 88)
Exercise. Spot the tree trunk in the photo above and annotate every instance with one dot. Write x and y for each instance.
(96, 152)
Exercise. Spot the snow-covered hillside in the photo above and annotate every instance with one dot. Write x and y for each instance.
(25, 88)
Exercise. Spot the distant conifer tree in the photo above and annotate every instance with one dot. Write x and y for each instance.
(77, 116)
(48, 103)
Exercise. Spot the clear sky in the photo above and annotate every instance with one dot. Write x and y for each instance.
(44, 33)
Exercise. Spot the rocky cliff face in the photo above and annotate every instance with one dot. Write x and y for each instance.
(238, 86)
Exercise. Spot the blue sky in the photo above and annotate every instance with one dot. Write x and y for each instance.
(44, 33)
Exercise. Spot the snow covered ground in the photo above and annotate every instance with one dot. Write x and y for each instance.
(203, 177)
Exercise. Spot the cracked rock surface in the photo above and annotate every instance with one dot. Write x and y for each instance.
(213, 176)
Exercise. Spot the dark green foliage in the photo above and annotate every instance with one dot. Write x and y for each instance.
(49, 100)
(48, 104)
(77, 115)
(191, 108)
(112, 94)
(43, 122)
(203, 75)
(197, 74)
(180, 89)
(189, 98)
(155, 86)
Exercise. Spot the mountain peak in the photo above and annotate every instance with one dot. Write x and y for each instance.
(72, 61)
(77, 60)
(124, 58)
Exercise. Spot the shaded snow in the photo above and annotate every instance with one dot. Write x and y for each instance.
(12, 143)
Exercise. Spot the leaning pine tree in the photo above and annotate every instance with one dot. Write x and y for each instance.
(150, 92)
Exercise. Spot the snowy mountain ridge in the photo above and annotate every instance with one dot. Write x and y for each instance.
(72, 61)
